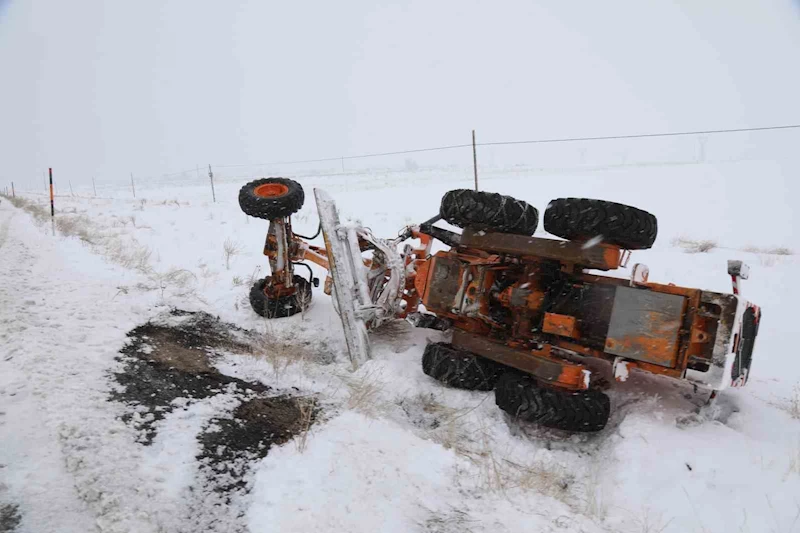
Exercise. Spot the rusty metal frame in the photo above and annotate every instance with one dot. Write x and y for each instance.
(537, 361)
(601, 256)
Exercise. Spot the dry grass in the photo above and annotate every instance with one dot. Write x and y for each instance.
(780, 251)
(691, 246)
(280, 349)
(450, 520)
(364, 393)
(230, 249)
(794, 402)
(237, 281)
(307, 410)
(177, 278)
(650, 522)
(445, 425)
(503, 475)
(794, 462)
(128, 254)
(593, 503)
(775, 250)
(77, 226)
(39, 212)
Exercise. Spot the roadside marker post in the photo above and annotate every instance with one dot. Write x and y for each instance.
(52, 198)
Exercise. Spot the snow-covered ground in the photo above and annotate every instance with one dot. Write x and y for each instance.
(393, 450)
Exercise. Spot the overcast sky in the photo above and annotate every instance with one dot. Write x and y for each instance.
(104, 88)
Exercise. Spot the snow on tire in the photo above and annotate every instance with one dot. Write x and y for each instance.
(583, 219)
(520, 396)
(459, 368)
(488, 211)
(271, 198)
(280, 307)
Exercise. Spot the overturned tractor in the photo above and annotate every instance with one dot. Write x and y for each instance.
(528, 315)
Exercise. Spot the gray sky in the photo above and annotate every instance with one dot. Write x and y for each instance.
(105, 88)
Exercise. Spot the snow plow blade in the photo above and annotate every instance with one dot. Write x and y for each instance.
(347, 269)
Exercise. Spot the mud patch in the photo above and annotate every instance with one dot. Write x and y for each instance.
(168, 364)
(171, 358)
(229, 445)
(9, 518)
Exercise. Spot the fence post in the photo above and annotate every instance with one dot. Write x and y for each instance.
(211, 177)
(13, 193)
(702, 140)
(133, 186)
(52, 199)
(475, 160)
(94, 187)
(70, 188)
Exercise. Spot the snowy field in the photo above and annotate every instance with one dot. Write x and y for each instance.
(391, 449)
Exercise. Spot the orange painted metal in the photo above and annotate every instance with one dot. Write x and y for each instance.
(316, 255)
(271, 190)
(421, 279)
(538, 361)
(475, 274)
(563, 325)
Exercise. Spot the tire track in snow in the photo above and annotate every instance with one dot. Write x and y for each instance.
(4, 229)
(71, 464)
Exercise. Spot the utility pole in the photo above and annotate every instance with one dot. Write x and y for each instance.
(475, 160)
(133, 186)
(211, 177)
(94, 187)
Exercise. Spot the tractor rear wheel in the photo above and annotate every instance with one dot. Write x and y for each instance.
(283, 306)
(582, 219)
(520, 396)
(458, 368)
(488, 211)
(271, 198)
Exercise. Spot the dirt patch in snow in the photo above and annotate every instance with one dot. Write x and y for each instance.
(171, 359)
(9, 518)
(168, 363)
(230, 444)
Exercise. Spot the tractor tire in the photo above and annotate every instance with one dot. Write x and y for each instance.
(271, 198)
(486, 211)
(520, 396)
(581, 219)
(280, 307)
(458, 368)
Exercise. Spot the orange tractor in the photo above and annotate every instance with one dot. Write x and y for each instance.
(528, 315)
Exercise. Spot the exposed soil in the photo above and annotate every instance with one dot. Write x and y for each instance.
(171, 358)
(9, 518)
(256, 426)
(165, 362)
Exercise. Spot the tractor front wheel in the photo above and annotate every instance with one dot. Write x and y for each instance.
(271, 198)
(458, 368)
(520, 396)
(281, 306)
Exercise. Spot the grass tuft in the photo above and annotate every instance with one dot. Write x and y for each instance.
(691, 246)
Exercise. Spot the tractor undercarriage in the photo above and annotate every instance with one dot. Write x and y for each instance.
(527, 314)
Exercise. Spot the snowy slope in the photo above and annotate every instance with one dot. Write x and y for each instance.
(396, 451)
